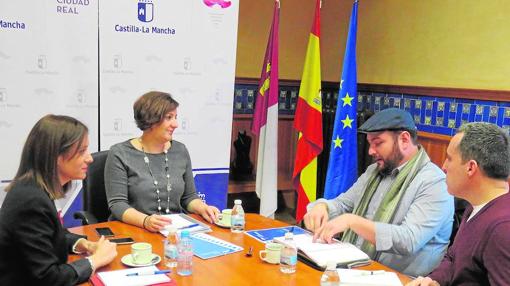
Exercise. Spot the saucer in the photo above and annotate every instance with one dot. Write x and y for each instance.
(128, 260)
(223, 224)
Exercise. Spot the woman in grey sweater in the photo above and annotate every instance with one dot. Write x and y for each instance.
(151, 175)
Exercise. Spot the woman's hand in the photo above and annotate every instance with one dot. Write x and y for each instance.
(104, 252)
(155, 223)
(209, 213)
(84, 246)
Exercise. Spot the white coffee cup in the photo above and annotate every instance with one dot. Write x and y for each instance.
(141, 252)
(225, 216)
(272, 253)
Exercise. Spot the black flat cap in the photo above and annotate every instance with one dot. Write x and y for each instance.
(389, 119)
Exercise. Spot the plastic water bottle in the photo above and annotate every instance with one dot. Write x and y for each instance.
(237, 218)
(330, 276)
(185, 255)
(288, 255)
(171, 243)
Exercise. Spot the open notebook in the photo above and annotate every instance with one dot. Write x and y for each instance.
(318, 254)
(182, 221)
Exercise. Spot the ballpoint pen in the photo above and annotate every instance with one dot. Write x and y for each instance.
(368, 273)
(188, 226)
(149, 273)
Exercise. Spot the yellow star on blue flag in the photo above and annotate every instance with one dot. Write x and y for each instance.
(342, 165)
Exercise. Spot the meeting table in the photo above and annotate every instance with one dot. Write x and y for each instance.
(233, 269)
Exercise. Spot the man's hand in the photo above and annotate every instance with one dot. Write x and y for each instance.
(316, 217)
(423, 281)
(332, 227)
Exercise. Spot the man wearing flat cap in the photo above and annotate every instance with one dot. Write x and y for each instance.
(399, 211)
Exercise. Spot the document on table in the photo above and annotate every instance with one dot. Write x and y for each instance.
(119, 278)
(354, 277)
(319, 253)
(182, 221)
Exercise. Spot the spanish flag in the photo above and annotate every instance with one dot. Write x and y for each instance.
(308, 122)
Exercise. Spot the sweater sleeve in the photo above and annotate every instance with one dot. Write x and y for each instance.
(496, 255)
(116, 183)
(190, 192)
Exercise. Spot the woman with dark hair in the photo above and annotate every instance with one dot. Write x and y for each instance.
(33, 243)
(151, 175)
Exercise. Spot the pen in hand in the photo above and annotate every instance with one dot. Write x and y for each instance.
(149, 273)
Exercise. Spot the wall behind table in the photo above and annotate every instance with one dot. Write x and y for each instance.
(48, 64)
(400, 42)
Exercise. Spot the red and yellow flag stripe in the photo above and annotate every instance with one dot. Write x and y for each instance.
(308, 121)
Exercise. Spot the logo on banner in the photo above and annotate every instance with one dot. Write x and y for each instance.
(145, 11)
(117, 124)
(3, 95)
(80, 96)
(222, 3)
(117, 61)
(41, 62)
(187, 64)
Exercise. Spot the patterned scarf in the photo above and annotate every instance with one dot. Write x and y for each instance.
(391, 199)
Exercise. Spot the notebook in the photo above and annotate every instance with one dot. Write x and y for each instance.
(206, 246)
(182, 221)
(354, 277)
(267, 234)
(118, 277)
(317, 254)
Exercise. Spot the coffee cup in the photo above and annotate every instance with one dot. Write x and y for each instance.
(225, 216)
(272, 253)
(141, 253)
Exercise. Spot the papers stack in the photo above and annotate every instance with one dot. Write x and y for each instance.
(182, 221)
(120, 278)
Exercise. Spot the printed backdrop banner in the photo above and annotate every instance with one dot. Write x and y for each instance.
(186, 48)
(48, 64)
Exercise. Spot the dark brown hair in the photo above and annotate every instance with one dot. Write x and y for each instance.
(51, 136)
(152, 107)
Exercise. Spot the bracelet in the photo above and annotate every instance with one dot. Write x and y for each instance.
(144, 220)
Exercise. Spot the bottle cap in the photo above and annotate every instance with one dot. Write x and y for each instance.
(185, 233)
(238, 202)
(331, 265)
(289, 235)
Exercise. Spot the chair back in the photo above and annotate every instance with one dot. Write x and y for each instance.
(94, 196)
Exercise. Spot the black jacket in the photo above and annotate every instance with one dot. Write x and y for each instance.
(33, 243)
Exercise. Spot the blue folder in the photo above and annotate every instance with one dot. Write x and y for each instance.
(206, 246)
(268, 234)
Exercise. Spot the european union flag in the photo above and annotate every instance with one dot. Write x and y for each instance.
(343, 163)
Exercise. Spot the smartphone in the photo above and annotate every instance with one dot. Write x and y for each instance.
(104, 231)
(126, 240)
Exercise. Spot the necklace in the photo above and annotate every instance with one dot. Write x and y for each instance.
(155, 182)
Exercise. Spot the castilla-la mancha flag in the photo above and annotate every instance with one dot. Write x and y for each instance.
(308, 122)
(265, 124)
